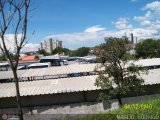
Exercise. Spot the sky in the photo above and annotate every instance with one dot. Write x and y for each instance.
(86, 22)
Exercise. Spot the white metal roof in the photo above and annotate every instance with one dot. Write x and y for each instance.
(38, 64)
(58, 70)
(88, 57)
(153, 77)
(146, 62)
(50, 57)
(74, 68)
(52, 86)
(65, 85)
(4, 64)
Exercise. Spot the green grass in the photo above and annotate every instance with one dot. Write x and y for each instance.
(147, 110)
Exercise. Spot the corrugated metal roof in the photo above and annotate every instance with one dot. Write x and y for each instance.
(153, 77)
(146, 62)
(4, 64)
(65, 85)
(50, 57)
(76, 68)
(52, 86)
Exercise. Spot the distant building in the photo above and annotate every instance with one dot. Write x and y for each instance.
(50, 44)
(28, 58)
(132, 38)
(57, 43)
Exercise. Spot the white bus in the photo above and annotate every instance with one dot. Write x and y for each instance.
(39, 65)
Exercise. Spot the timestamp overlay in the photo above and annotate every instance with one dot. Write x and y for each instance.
(144, 115)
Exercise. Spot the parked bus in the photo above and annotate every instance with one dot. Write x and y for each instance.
(38, 65)
(54, 60)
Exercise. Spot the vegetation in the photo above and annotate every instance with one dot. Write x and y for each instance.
(83, 51)
(14, 20)
(148, 49)
(2, 58)
(43, 52)
(116, 78)
(72, 53)
(60, 50)
(145, 109)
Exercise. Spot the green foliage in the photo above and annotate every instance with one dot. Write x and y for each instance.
(2, 58)
(72, 53)
(116, 78)
(43, 52)
(129, 109)
(82, 51)
(148, 48)
(60, 50)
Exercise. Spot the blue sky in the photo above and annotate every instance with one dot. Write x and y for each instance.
(86, 22)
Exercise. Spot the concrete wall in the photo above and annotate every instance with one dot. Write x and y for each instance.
(51, 99)
(68, 110)
(67, 98)
(66, 105)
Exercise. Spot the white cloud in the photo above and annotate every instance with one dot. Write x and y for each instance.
(75, 40)
(10, 43)
(94, 35)
(151, 19)
(95, 28)
(30, 47)
(144, 20)
(152, 6)
(122, 23)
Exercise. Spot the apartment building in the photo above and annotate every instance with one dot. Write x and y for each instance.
(50, 44)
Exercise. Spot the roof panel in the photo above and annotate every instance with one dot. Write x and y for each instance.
(58, 70)
(64, 85)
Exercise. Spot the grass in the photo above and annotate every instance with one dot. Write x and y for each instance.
(148, 110)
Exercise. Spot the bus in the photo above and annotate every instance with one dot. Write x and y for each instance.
(38, 65)
(54, 60)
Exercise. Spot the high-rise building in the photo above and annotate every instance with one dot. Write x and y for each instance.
(57, 43)
(50, 44)
(132, 38)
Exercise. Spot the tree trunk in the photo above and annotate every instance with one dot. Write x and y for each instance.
(19, 107)
(119, 100)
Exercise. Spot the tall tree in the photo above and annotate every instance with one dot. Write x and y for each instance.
(42, 51)
(13, 20)
(60, 50)
(82, 51)
(148, 48)
(117, 79)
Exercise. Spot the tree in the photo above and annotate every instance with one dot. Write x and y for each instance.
(42, 52)
(148, 48)
(117, 79)
(60, 50)
(72, 53)
(2, 58)
(82, 51)
(13, 20)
